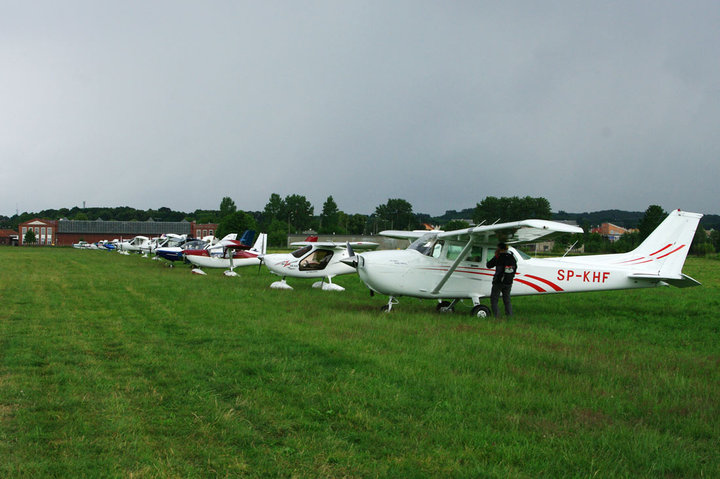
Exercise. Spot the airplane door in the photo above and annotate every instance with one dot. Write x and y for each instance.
(316, 261)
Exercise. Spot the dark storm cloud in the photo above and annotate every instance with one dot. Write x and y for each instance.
(178, 104)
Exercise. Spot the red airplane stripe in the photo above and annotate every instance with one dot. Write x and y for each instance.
(671, 252)
(646, 261)
(631, 260)
(661, 249)
(534, 286)
(549, 283)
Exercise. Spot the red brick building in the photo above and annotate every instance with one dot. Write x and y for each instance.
(45, 231)
(9, 237)
(610, 231)
(66, 232)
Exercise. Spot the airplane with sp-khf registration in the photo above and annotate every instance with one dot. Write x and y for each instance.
(451, 265)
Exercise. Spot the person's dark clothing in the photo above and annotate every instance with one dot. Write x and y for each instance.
(505, 266)
(497, 290)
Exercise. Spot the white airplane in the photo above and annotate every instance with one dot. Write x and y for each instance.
(136, 244)
(313, 260)
(450, 266)
(170, 247)
(228, 253)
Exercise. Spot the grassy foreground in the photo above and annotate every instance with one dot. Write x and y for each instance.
(117, 366)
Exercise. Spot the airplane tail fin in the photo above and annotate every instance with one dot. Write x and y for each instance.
(663, 253)
(260, 245)
(247, 237)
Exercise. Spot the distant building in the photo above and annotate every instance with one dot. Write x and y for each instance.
(610, 231)
(44, 231)
(9, 237)
(66, 232)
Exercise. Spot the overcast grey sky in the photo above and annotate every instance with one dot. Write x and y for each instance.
(592, 105)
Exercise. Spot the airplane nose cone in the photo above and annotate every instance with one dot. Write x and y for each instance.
(352, 261)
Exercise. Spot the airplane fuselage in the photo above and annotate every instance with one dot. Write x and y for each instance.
(410, 273)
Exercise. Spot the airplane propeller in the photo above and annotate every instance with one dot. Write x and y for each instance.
(351, 260)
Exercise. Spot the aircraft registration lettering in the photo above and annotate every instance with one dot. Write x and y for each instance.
(584, 276)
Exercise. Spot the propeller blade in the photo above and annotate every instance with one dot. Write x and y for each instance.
(351, 260)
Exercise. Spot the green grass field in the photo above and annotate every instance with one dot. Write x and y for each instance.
(118, 366)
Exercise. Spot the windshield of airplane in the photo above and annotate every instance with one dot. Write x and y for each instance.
(195, 244)
(299, 252)
(424, 244)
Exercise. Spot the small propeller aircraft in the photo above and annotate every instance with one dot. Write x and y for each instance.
(450, 266)
(136, 244)
(313, 260)
(229, 253)
(170, 247)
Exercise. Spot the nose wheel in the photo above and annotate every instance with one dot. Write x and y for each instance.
(480, 311)
(388, 307)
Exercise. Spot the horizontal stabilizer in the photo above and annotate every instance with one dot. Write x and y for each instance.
(682, 281)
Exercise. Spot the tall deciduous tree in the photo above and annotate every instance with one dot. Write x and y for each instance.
(513, 208)
(298, 213)
(236, 222)
(396, 214)
(29, 237)
(330, 217)
(356, 224)
(273, 209)
(227, 207)
(654, 215)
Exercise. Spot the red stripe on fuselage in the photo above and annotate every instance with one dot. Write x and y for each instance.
(543, 280)
(534, 286)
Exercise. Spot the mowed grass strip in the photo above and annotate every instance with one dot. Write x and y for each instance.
(118, 366)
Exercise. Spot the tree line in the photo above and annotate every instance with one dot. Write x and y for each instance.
(295, 214)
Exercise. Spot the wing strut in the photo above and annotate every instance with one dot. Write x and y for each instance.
(463, 254)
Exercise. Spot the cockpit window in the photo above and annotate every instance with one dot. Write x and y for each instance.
(318, 260)
(299, 252)
(424, 244)
(195, 244)
(522, 254)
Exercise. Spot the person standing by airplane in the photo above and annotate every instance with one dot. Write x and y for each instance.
(505, 266)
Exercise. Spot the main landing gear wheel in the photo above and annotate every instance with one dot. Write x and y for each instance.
(480, 311)
(445, 307)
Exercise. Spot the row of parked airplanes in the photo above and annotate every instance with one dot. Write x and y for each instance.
(446, 266)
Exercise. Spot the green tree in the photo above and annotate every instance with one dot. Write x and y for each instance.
(514, 208)
(701, 244)
(30, 237)
(330, 218)
(274, 210)
(627, 242)
(298, 213)
(453, 225)
(227, 207)
(277, 233)
(236, 222)
(356, 224)
(715, 239)
(654, 215)
(396, 214)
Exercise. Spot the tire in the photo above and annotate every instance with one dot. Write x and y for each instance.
(481, 311)
(445, 307)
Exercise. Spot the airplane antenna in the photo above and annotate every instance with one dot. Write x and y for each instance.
(496, 221)
(570, 248)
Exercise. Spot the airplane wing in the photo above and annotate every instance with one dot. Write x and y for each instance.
(407, 235)
(525, 231)
(359, 245)
(516, 232)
